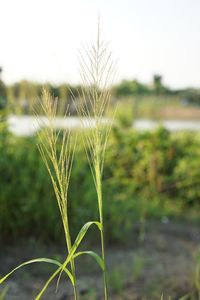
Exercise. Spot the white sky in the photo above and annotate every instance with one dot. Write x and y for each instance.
(39, 38)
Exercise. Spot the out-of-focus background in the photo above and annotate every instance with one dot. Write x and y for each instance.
(151, 179)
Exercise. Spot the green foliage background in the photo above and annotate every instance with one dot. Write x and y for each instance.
(149, 174)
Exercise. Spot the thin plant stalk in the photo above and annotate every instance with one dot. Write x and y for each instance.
(96, 71)
(99, 195)
(58, 161)
(58, 164)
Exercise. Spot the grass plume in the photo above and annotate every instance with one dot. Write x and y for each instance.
(97, 72)
(58, 163)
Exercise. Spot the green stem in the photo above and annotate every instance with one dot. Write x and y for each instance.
(100, 204)
(104, 260)
(69, 246)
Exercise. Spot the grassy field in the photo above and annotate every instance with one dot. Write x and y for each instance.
(157, 108)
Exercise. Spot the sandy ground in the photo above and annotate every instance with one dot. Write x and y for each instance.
(164, 263)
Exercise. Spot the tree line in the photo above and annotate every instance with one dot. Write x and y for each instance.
(20, 97)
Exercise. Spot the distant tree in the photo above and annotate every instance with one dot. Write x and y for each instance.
(2, 92)
(191, 95)
(158, 86)
(10, 98)
(3, 114)
(54, 90)
(63, 98)
(129, 88)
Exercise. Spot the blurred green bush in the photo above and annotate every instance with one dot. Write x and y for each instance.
(148, 174)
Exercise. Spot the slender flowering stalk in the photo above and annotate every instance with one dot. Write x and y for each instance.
(58, 163)
(96, 71)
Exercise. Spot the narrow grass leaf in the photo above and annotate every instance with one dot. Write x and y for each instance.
(98, 259)
(4, 292)
(61, 268)
(47, 283)
(38, 260)
(77, 242)
(185, 297)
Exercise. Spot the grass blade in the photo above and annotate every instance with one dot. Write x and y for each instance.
(77, 242)
(98, 259)
(38, 260)
(4, 292)
(61, 268)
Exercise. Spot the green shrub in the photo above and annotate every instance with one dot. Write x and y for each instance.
(146, 174)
